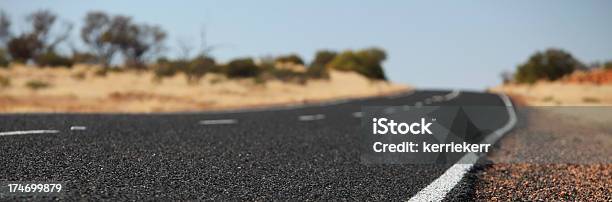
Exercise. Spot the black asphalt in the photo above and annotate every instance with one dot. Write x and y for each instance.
(267, 154)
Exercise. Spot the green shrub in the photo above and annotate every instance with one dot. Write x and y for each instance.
(317, 72)
(84, 58)
(551, 64)
(4, 82)
(244, 67)
(366, 62)
(4, 59)
(198, 67)
(292, 58)
(590, 100)
(24, 47)
(51, 58)
(101, 72)
(169, 68)
(317, 68)
(37, 85)
(288, 75)
(608, 65)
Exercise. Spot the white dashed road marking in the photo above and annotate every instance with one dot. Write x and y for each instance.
(311, 117)
(78, 128)
(406, 107)
(25, 132)
(218, 122)
(390, 110)
(418, 104)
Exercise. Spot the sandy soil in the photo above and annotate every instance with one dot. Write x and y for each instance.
(559, 93)
(80, 90)
(581, 88)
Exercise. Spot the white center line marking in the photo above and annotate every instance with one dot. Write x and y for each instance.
(78, 128)
(311, 117)
(452, 95)
(357, 114)
(418, 104)
(390, 110)
(218, 121)
(25, 132)
(406, 107)
(437, 98)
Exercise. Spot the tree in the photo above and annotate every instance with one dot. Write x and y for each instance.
(23, 47)
(551, 65)
(43, 22)
(95, 33)
(135, 42)
(5, 27)
(144, 42)
(39, 43)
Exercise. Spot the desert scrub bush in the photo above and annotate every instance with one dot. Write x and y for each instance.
(51, 58)
(5, 82)
(323, 57)
(84, 58)
(608, 65)
(367, 62)
(551, 65)
(101, 72)
(23, 47)
(169, 68)
(288, 75)
(198, 67)
(79, 75)
(37, 85)
(269, 70)
(241, 68)
(4, 59)
(590, 100)
(317, 68)
(317, 72)
(292, 58)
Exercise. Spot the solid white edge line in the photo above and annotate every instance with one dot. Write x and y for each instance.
(25, 132)
(218, 121)
(437, 190)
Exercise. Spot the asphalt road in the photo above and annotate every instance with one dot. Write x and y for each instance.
(284, 153)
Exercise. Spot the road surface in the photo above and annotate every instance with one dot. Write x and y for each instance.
(308, 152)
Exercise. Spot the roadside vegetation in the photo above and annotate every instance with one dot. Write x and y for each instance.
(117, 43)
(551, 65)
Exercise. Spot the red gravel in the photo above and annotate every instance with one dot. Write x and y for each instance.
(552, 158)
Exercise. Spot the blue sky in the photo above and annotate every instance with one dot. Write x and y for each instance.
(430, 44)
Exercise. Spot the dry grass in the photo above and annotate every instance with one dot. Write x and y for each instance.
(80, 89)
